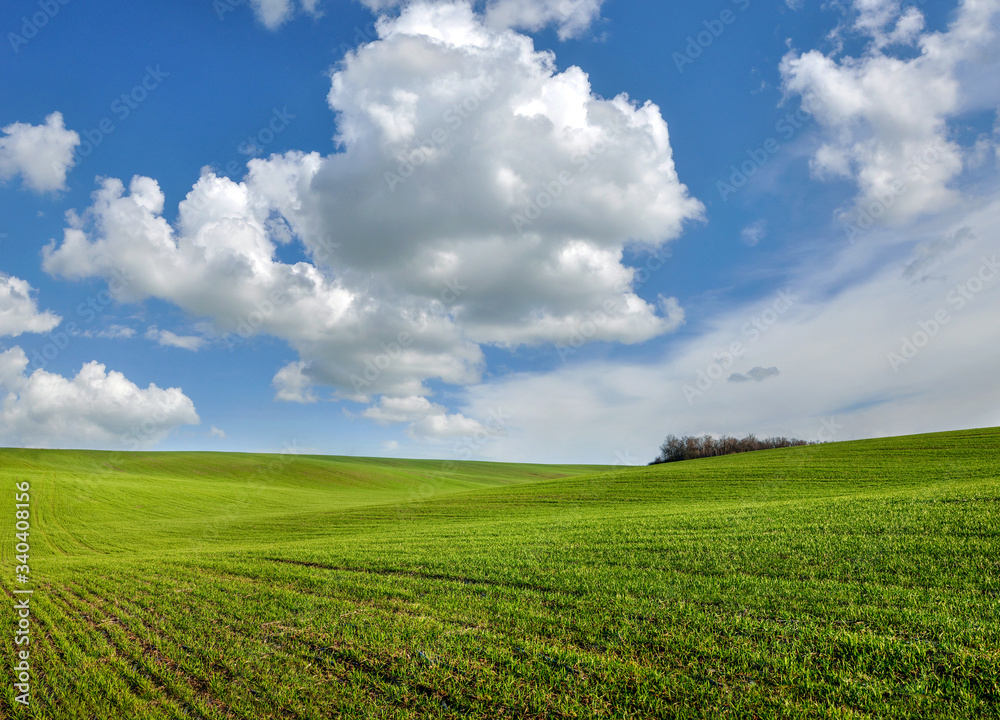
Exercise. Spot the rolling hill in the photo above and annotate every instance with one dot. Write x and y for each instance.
(847, 580)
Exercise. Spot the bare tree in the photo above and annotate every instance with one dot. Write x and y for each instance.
(675, 449)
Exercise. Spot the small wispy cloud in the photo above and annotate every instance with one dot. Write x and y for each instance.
(753, 234)
(112, 332)
(170, 339)
(929, 252)
(757, 374)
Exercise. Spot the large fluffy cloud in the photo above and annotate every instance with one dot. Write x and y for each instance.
(480, 197)
(40, 154)
(886, 117)
(95, 408)
(220, 263)
(18, 310)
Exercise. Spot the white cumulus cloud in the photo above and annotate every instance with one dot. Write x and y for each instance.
(19, 311)
(94, 408)
(40, 154)
(886, 118)
(480, 197)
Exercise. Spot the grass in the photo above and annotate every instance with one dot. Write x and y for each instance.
(850, 580)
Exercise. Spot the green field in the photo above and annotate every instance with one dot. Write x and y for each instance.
(848, 580)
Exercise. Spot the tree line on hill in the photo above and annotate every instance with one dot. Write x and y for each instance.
(675, 449)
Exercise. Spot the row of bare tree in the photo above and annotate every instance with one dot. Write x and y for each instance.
(675, 449)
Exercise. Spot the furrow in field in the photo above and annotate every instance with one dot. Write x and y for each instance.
(231, 650)
(222, 662)
(142, 658)
(514, 585)
(340, 657)
(88, 675)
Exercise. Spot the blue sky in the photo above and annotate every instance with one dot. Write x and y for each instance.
(549, 231)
